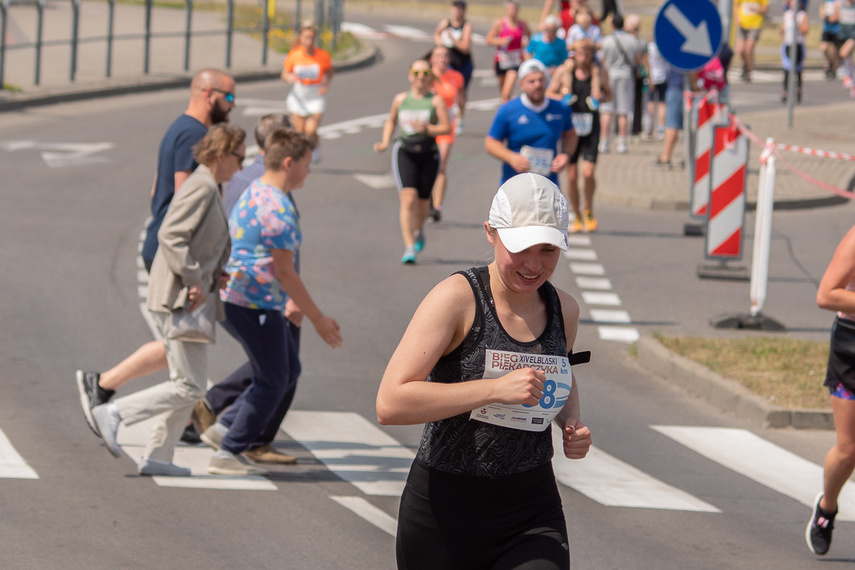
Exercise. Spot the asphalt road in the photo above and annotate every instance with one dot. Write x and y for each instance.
(70, 234)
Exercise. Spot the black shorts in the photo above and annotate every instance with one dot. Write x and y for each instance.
(657, 93)
(831, 38)
(415, 170)
(841, 355)
(588, 147)
(471, 523)
(500, 71)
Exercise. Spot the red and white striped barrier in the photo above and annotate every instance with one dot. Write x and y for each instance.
(710, 113)
(727, 197)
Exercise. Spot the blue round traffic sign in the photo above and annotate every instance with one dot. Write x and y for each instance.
(688, 33)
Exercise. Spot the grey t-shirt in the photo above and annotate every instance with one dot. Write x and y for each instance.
(618, 64)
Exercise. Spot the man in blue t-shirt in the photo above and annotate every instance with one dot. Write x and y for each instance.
(547, 46)
(212, 97)
(526, 131)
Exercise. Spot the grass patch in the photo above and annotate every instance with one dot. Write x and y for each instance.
(282, 37)
(11, 88)
(785, 371)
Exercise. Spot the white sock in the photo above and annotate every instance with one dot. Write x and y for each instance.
(221, 429)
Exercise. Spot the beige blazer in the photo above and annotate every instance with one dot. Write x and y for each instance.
(194, 245)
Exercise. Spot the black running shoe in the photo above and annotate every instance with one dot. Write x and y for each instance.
(190, 437)
(91, 395)
(819, 527)
(434, 215)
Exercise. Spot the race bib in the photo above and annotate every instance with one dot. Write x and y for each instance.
(583, 123)
(556, 389)
(411, 120)
(540, 159)
(308, 73)
(510, 59)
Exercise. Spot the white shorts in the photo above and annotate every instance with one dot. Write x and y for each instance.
(304, 100)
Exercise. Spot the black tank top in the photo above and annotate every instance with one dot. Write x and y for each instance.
(582, 90)
(462, 446)
(456, 58)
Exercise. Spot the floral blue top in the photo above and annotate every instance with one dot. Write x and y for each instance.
(263, 219)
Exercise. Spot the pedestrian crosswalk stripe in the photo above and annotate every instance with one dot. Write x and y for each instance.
(760, 460)
(619, 334)
(579, 240)
(12, 465)
(599, 283)
(369, 512)
(601, 298)
(133, 439)
(613, 483)
(353, 448)
(609, 316)
(581, 254)
(587, 269)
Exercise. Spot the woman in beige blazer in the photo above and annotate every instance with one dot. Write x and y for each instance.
(187, 269)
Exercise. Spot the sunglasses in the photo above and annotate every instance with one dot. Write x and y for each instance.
(229, 97)
(421, 73)
(240, 157)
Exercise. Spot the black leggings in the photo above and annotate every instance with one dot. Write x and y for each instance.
(471, 523)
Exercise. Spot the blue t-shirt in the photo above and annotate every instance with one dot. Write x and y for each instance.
(520, 123)
(175, 155)
(263, 219)
(550, 54)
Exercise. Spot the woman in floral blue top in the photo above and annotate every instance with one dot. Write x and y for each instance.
(265, 233)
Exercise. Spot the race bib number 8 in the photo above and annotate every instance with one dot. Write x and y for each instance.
(556, 389)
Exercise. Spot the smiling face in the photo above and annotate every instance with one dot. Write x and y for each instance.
(421, 77)
(527, 270)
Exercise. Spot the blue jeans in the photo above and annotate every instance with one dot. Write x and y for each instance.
(224, 394)
(275, 367)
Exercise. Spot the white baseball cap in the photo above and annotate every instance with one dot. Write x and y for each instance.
(530, 66)
(528, 210)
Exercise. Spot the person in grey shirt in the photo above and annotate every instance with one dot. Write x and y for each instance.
(621, 55)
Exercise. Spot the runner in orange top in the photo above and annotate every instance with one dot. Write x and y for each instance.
(309, 68)
(449, 85)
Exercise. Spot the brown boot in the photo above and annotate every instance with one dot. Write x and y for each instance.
(267, 454)
(202, 417)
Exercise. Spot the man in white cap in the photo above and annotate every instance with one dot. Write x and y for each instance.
(532, 133)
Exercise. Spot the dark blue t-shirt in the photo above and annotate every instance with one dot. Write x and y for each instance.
(175, 155)
(521, 124)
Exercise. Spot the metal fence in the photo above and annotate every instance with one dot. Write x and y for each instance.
(325, 13)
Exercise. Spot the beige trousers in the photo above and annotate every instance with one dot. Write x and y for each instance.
(171, 401)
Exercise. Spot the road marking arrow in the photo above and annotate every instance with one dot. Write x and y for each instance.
(57, 155)
(697, 37)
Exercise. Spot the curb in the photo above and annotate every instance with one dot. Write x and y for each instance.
(18, 101)
(724, 393)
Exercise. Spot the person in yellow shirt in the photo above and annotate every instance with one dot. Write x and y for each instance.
(749, 16)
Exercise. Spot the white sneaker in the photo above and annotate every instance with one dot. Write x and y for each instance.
(458, 130)
(621, 146)
(604, 146)
(107, 419)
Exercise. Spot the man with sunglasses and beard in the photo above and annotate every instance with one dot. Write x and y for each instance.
(212, 97)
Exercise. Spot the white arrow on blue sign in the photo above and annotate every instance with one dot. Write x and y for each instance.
(688, 33)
